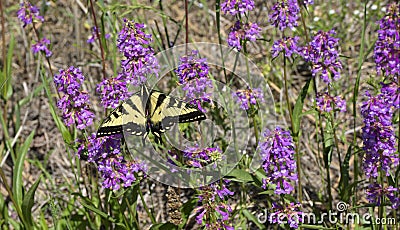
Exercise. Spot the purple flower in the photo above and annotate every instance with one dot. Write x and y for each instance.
(75, 110)
(277, 150)
(200, 157)
(191, 67)
(289, 214)
(375, 193)
(70, 80)
(139, 60)
(386, 51)
(242, 32)
(248, 97)
(132, 35)
(192, 74)
(112, 92)
(42, 46)
(98, 148)
(287, 44)
(28, 12)
(114, 169)
(391, 94)
(322, 53)
(378, 135)
(74, 103)
(285, 13)
(95, 31)
(234, 7)
(325, 101)
(213, 209)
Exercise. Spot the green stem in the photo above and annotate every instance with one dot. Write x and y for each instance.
(356, 89)
(218, 18)
(296, 138)
(153, 221)
(326, 158)
(103, 61)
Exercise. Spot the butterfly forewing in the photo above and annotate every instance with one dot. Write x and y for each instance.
(128, 117)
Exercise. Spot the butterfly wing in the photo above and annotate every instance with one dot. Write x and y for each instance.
(165, 111)
(129, 117)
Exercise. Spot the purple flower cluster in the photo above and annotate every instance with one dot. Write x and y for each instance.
(391, 93)
(387, 47)
(114, 169)
(242, 32)
(234, 7)
(200, 157)
(139, 60)
(192, 74)
(113, 91)
(277, 151)
(290, 214)
(191, 67)
(375, 193)
(378, 132)
(248, 97)
(322, 53)
(325, 101)
(95, 31)
(285, 13)
(287, 45)
(27, 13)
(42, 46)
(213, 211)
(74, 103)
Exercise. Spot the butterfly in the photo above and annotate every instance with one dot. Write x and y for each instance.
(146, 112)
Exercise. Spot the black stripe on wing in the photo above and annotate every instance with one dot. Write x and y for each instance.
(109, 130)
(128, 117)
(194, 115)
(178, 111)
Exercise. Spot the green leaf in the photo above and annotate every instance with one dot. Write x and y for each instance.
(258, 177)
(27, 204)
(4, 214)
(19, 167)
(166, 226)
(5, 76)
(344, 190)
(240, 175)
(298, 108)
(97, 211)
(267, 192)
(60, 125)
(328, 144)
(187, 209)
(254, 219)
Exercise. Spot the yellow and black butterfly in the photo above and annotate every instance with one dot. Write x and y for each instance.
(146, 112)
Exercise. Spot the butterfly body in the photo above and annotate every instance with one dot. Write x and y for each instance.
(146, 112)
